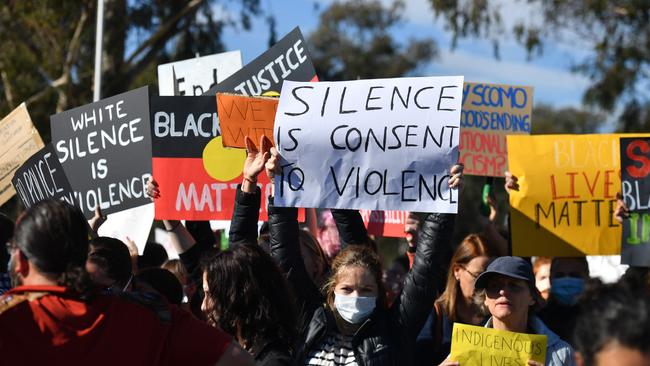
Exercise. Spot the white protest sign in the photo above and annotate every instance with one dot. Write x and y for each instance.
(384, 144)
(195, 76)
(134, 223)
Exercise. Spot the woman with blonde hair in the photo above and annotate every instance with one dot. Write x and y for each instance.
(456, 304)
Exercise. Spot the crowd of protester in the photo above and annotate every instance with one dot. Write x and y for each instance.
(289, 295)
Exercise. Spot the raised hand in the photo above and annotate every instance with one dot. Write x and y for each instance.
(511, 182)
(456, 172)
(271, 165)
(255, 158)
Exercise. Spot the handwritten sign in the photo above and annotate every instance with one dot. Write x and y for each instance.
(490, 112)
(567, 195)
(479, 346)
(288, 59)
(635, 167)
(369, 144)
(42, 177)
(105, 150)
(20, 140)
(197, 75)
(245, 116)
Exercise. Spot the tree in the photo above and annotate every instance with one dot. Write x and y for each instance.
(616, 32)
(353, 40)
(48, 47)
(547, 120)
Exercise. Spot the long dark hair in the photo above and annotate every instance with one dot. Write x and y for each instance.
(53, 235)
(249, 297)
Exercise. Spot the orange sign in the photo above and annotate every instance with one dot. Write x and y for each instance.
(241, 116)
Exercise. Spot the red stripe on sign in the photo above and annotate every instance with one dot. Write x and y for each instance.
(187, 192)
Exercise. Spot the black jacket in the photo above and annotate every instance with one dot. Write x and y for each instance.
(386, 337)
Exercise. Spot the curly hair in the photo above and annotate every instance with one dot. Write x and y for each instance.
(249, 297)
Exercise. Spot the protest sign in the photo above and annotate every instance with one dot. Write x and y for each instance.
(385, 223)
(197, 75)
(490, 112)
(42, 177)
(288, 59)
(197, 176)
(480, 346)
(20, 140)
(567, 194)
(242, 116)
(105, 150)
(133, 224)
(635, 188)
(384, 144)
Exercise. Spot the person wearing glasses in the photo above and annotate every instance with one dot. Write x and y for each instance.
(456, 304)
(506, 291)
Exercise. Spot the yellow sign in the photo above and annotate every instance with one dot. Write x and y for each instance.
(20, 140)
(567, 194)
(479, 346)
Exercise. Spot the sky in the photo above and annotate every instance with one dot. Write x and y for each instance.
(548, 74)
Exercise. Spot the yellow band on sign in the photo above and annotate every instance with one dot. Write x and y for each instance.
(567, 194)
(479, 346)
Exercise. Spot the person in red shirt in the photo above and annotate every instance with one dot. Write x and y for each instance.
(55, 316)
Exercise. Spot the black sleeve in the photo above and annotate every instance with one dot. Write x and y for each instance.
(285, 249)
(350, 226)
(427, 276)
(243, 227)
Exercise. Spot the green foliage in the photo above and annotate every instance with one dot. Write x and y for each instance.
(353, 40)
(47, 58)
(547, 120)
(616, 32)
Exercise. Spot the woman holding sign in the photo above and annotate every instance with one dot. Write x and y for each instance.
(506, 291)
(352, 324)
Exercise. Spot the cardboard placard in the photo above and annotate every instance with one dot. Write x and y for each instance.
(197, 75)
(635, 188)
(105, 150)
(288, 59)
(480, 346)
(568, 186)
(20, 140)
(243, 116)
(42, 177)
(490, 112)
(384, 144)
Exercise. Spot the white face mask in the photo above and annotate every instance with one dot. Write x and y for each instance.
(354, 309)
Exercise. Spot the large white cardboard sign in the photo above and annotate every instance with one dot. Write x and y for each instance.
(384, 144)
(196, 76)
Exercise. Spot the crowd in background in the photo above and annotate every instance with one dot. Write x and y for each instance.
(292, 294)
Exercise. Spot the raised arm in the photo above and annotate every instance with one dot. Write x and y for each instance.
(243, 227)
(285, 249)
(350, 226)
(427, 276)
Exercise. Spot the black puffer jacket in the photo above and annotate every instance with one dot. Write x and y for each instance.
(387, 337)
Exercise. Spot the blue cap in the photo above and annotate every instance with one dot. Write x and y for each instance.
(514, 267)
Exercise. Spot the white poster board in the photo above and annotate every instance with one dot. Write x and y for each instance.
(196, 76)
(134, 223)
(384, 144)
